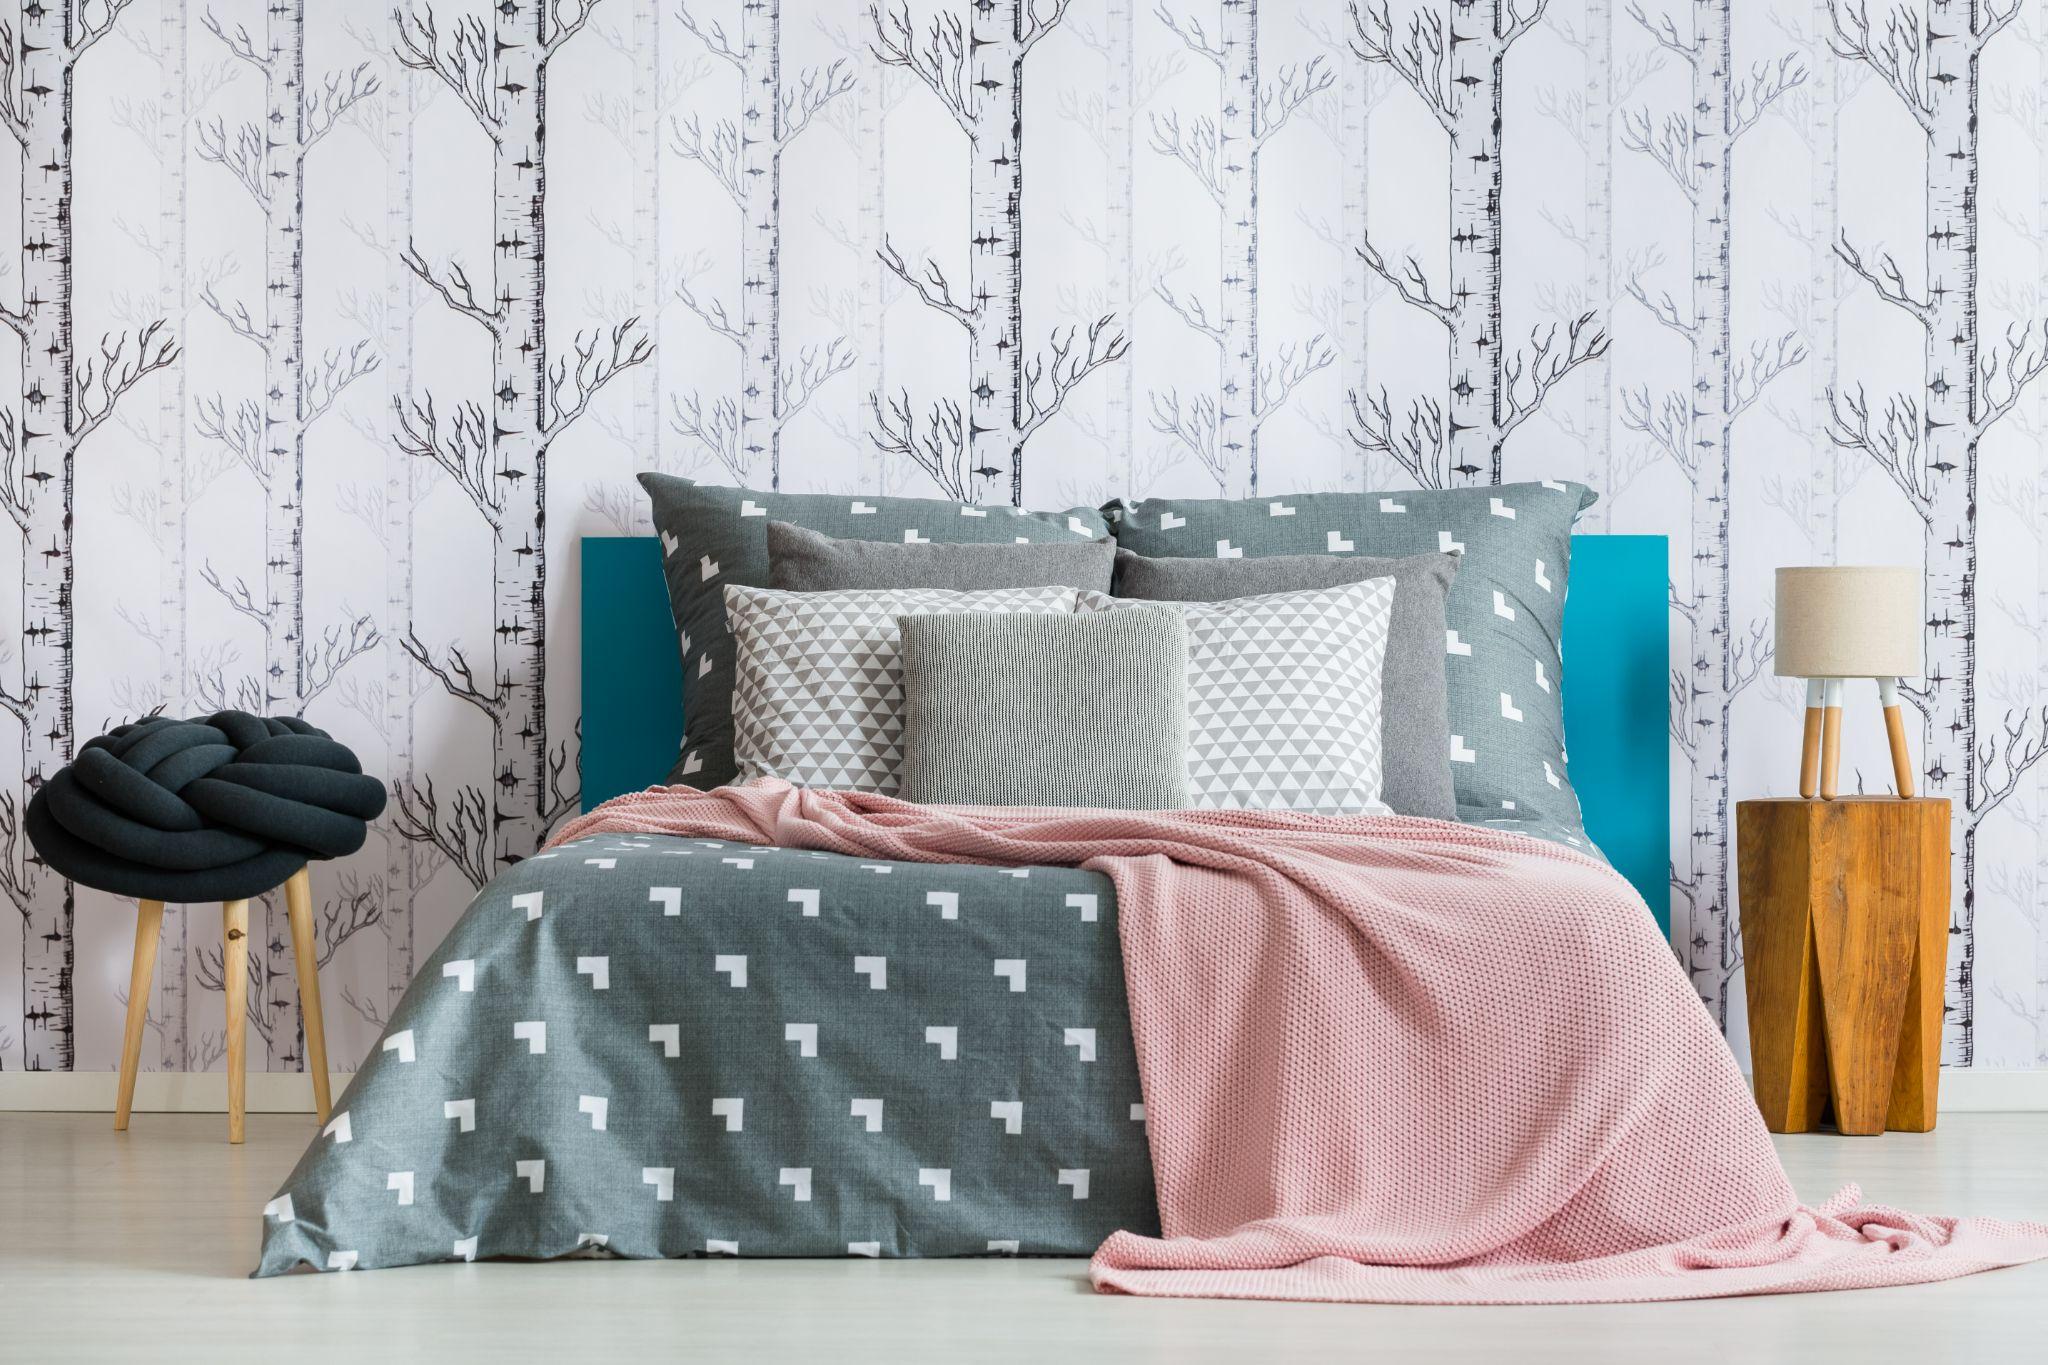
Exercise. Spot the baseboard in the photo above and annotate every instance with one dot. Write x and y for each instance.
(1983, 1090)
(160, 1092)
(1964, 1090)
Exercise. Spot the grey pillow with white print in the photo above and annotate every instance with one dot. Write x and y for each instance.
(1503, 616)
(713, 537)
(1415, 728)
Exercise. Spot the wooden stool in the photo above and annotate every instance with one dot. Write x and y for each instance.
(1845, 949)
(234, 956)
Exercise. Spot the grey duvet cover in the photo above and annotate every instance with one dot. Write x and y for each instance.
(650, 1047)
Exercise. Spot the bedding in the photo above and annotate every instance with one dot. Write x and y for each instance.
(655, 1046)
(818, 690)
(1283, 697)
(1017, 710)
(1415, 731)
(1349, 1091)
(1504, 612)
(713, 536)
(802, 560)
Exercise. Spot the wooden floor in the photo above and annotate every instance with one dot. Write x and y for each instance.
(135, 1246)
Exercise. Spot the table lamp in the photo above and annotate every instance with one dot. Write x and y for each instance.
(1840, 622)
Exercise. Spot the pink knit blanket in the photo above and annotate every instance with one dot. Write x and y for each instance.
(1397, 1060)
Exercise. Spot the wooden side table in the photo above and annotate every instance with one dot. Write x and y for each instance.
(1845, 948)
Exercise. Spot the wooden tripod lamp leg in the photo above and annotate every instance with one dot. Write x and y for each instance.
(234, 975)
(149, 919)
(1830, 738)
(298, 899)
(1895, 731)
(1809, 748)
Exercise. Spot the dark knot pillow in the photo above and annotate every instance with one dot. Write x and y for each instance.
(223, 808)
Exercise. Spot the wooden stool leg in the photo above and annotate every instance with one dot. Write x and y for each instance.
(234, 959)
(1831, 739)
(1895, 731)
(1809, 747)
(298, 897)
(149, 919)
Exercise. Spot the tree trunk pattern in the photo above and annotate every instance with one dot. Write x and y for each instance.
(1955, 421)
(47, 425)
(269, 161)
(1456, 73)
(63, 402)
(650, 93)
(1824, 284)
(995, 274)
(1119, 196)
(1713, 681)
(1597, 246)
(284, 389)
(871, 209)
(1223, 153)
(1693, 428)
(497, 451)
(1237, 174)
(772, 387)
(1355, 99)
(173, 1009)
(761, 391)
(975, 68)
(521, 811)
(284, 435)
(1476, 407)
(1934, 458)
(402, 490)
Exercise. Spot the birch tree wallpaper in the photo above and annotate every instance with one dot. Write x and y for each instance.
(337, 325)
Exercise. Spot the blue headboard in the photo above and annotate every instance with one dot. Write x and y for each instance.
(1616, 689)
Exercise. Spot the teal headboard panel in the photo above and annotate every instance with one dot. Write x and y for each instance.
(1616, 689)
(1617, 704)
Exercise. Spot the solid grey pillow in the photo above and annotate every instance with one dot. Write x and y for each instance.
(1503, 617)
(803, 560)
(1013, 710)
(1415, 730)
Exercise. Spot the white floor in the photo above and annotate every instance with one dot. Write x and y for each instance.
(136, 1246)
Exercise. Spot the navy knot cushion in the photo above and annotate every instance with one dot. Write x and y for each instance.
(218, 809)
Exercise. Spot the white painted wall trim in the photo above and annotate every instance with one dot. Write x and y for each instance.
(1982, 1090)
(1985, 1090)
(1974, 1090)
(160, 1092)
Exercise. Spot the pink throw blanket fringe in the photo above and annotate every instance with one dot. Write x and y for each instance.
(1397, 1060)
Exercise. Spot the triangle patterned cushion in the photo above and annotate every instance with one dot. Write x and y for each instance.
(818, 685)
(1284, 698)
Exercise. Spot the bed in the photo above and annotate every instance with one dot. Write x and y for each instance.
(641, 1045)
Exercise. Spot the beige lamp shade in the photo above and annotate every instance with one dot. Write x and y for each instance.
(1860, 621)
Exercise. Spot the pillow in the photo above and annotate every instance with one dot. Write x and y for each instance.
(1503, 614)
(1015, 710)
(801, 560)
(1284, 698)
(818, 693)
(712, 537)
(1415, 729)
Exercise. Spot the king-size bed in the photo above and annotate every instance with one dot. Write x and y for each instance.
(1243, 1052)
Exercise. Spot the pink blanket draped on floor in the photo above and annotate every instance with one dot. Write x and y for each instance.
(1397, 1060)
